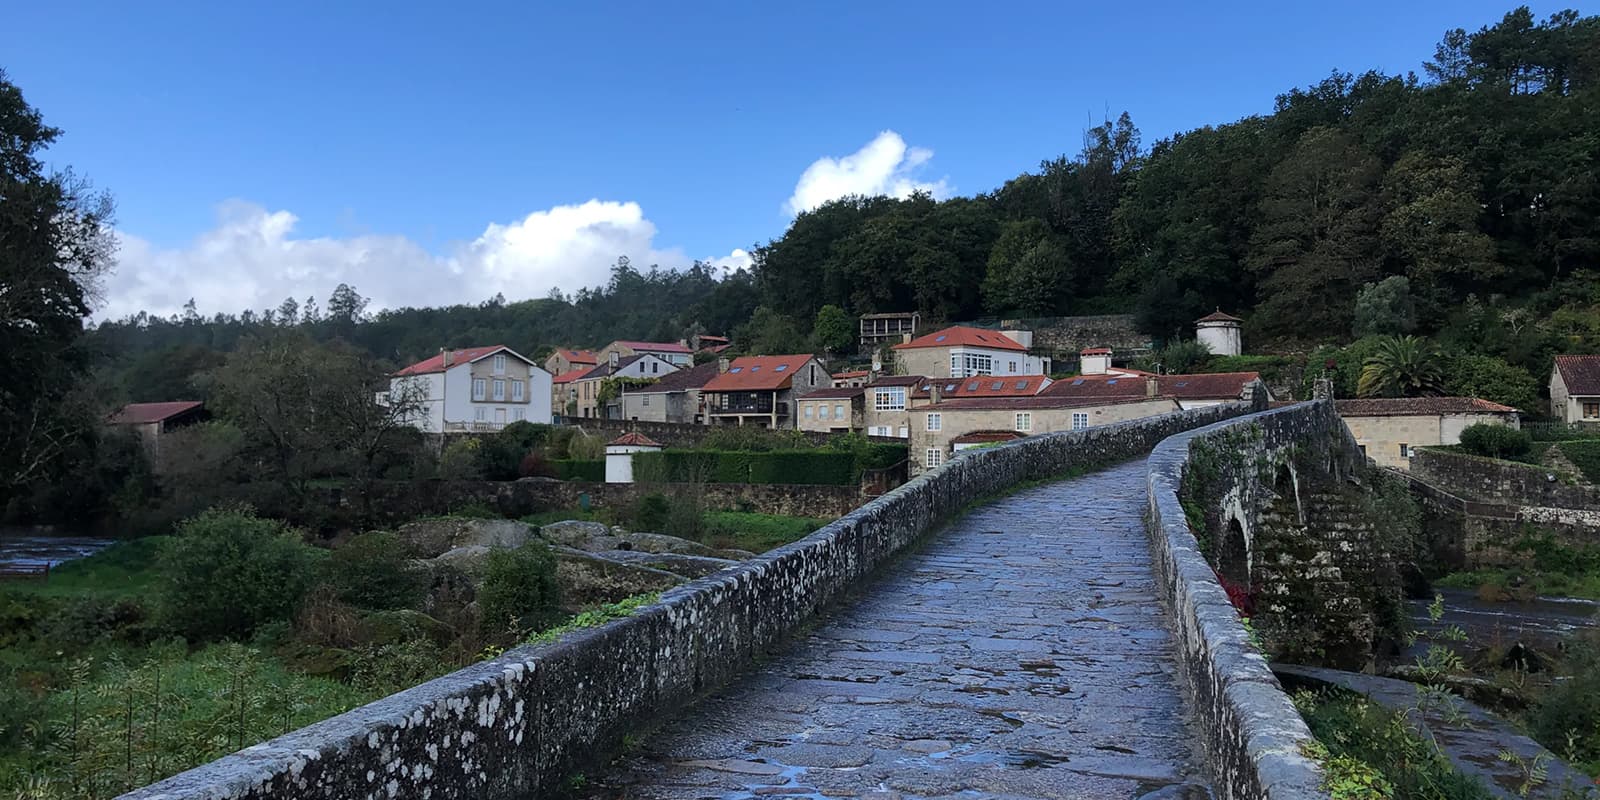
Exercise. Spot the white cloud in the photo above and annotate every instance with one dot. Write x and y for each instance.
(252, 259)
(884, 166)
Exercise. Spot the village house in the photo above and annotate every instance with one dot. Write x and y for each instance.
(473, 389)
(936, 427)
(886, 405)
(1388, 429)
(676, 397)
(832, 410)
(932, 390)
(959, 352)
(852, 379)
(154, 420)
(1190, 391)
(877, 330)
(584, 390)
(674, 353)
(762, 390)
(1575, 389)
(564, 360)
(563, 395)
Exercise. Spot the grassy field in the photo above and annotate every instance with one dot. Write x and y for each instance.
(757, 533)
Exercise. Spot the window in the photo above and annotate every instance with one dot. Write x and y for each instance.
(1591, 410)
(904, 432)
(880, 430)
(654, 367)
(973, 387)
(1362, 448)
(1024, 421)
(997, 386)
(838, 411)
(518, 391)
(480, 388)
(1022, 384)
(890, 399)
(935, 457)
(935, 422)
(644, 400)
(1080, 420)
(964, 365)
(822, 411)
(519, 414)
(1405, 450)
(808, 412)
(499, 416)
(499, 390)
(1011, 366)
(480, 413)
(500, 364)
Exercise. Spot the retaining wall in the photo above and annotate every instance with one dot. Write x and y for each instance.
(1252, 733)
(517, 725)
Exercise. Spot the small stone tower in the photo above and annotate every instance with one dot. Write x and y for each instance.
(1220, 332)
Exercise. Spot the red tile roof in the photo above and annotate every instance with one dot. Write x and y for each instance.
(578, 356)
(1209, 386)
(1095, 351)
(983, 386)
(571, 375)
(1581, 374)
(960, 336)
(840, 393)
(1218, 316)
(1418, 407)
(758, 373)
(631, 439)
(1098, 386)
(984, 437)
(897, 380)
(1035, 402)
(680, 381)
(142, 413)
(462, 356)
(656, 347)
(857, 373)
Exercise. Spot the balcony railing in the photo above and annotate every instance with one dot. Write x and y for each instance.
(473, 427)
(746, 404)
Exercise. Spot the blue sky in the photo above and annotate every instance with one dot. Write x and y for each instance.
(431, 154)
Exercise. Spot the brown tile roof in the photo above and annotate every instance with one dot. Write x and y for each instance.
(984, 437)
(1035, 402)
(1418, 407)
(758, 373)
(1097, 386)
(1210, 386)
(1581, 374)
(681, 381)
(632, 439)
(965, 337)
(983, 386)
(579, 356)
(571, 375)
(897, 380)
(855, 373)
(1095, 351)
(1218, 316)
(462, 356)
(142, 413)
(834, 394)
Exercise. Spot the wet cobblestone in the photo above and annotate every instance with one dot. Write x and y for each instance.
(1020, 653)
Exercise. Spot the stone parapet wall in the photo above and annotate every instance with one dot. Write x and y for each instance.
(1488, 480)
(1466, 534)
(1252, 734)
(518, 725)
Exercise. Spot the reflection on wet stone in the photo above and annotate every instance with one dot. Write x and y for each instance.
(1021, 653)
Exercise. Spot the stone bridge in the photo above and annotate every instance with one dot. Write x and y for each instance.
(1035, 620)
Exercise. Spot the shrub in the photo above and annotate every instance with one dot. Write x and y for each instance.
(651, 511)
(228, 571)
(1585, 455)
(1495, 441)
(85, 620)
(583, 447)
(535, 465)
(459, 461)
(373, 570)
(1572, 706)
(519, 592)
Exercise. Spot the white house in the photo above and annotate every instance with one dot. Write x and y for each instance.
(1220, 333)
(960, 352)
(473, 389)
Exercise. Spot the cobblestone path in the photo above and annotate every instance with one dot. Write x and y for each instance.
(1020, 653)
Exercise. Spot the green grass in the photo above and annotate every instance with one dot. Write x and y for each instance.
(758, 533)
(1542, 583)
(125, 569)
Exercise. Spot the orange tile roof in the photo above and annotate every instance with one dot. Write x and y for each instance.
(142, 413)
(758, 373)
(633, 439)
(571, 375)
(983, 386)
(462, 356)
(1418, 406)
(961, 336)
(578, 356)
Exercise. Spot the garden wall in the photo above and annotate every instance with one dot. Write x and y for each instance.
(518, 725)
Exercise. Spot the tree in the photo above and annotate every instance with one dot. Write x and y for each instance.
(373, 570)
(347, 307)
(288, 311)
(770, 333)
(1026, 271)
(833, 330)
(56, 243)
(1492, 379)
(1403, 366)
(1384, 308)
(227, 572)
(1431, 222)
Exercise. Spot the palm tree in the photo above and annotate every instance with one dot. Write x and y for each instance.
(1405, 366)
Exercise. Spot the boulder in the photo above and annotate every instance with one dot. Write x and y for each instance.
(662, 543)
(734, 554)
(587, 578)
(469, 561)
(427, 538)
(676, 563)
(430, 538)
(579, 535)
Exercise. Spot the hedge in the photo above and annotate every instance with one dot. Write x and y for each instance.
(829, 467)
(575, 469)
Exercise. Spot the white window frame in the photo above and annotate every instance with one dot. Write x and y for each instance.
(880, 430)
(644, 400)
(1080, 420)
(519, 414)
(480, 414)
(822, 411)
(519, 391)
(808, 411)
(499, 390)
(889, 398)
(838, 410)
(480, 389)
(934, 457)
(935, 422)
(1024, 422)
(905, 431)
(500, 364)
(964, 364)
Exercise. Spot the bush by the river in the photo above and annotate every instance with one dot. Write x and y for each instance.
(228, 571)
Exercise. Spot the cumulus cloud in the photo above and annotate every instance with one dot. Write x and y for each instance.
(884, 166)
(252, 259)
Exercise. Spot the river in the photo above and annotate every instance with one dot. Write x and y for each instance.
(23, 548)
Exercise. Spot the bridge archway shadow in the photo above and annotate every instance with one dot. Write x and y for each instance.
(1233, 555)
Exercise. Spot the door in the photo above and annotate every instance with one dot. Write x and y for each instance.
(500, 416)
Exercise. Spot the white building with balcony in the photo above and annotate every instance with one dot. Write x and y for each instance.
(473, 389)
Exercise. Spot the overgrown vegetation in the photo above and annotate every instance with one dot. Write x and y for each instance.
(1496, 441)
(1372, 752)
(1547, 567)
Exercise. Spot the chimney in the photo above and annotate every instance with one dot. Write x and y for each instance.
(614, 360)
(905, 338)
(935, 392)
(444, 357)
(722, 365)
(1152, 387)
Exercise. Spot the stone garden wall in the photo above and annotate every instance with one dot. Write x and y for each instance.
(516, 726)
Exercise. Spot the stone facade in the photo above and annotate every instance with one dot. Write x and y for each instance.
(671, 434)
(930, 443)
(1476, 508)
(518, 725)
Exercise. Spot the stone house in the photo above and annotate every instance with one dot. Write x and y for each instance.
(936, 427)
(675, 353)
(563, 360)
(675, 398)
(1389, 429)
(835, 410)
(762, 390)
(1575, 389)
(959, 352)
(153, 420)
(891, 328)
(474, 389)
(584, 390)
(886, 403)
